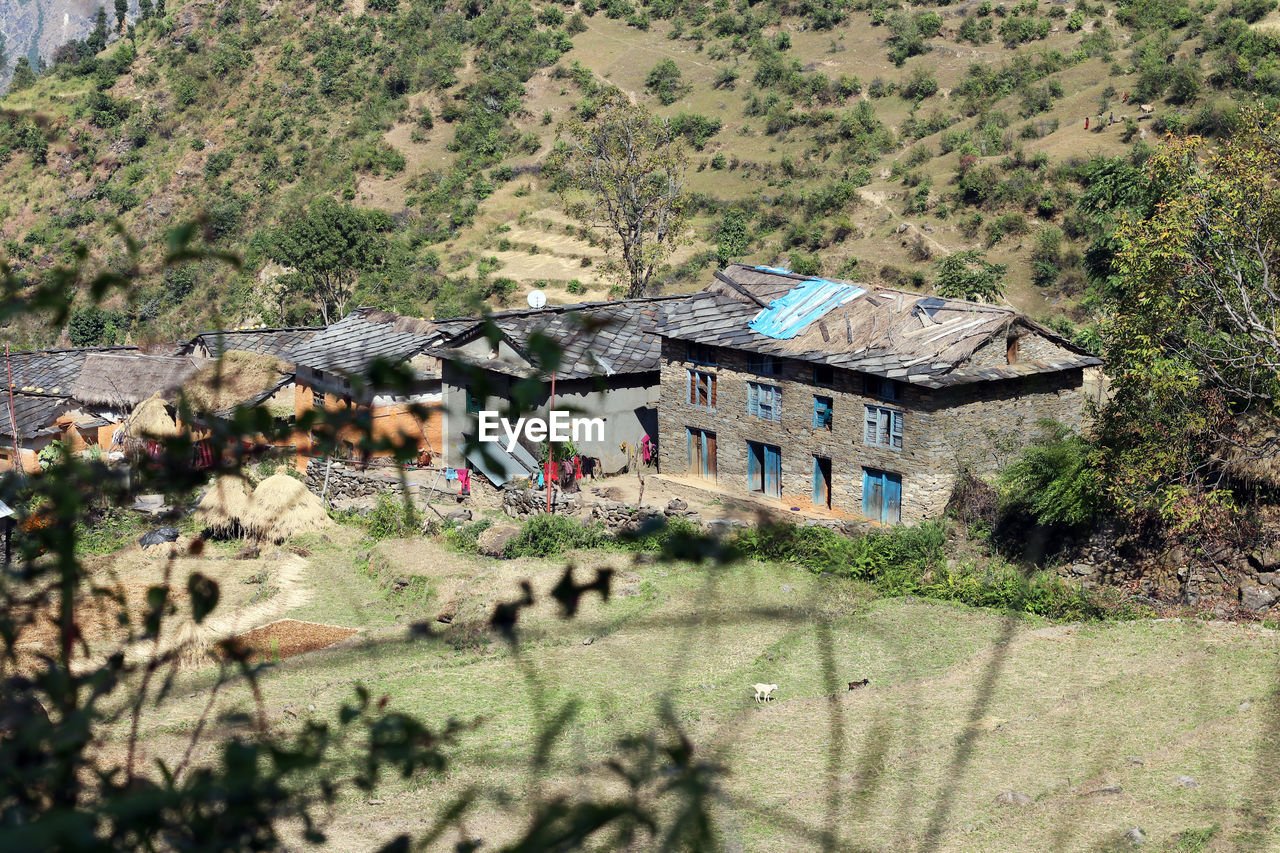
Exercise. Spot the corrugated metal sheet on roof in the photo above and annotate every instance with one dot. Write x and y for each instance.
(804, 304)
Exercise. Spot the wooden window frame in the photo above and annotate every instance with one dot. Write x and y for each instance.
(755, 405)
(694, 385)
(882, 427)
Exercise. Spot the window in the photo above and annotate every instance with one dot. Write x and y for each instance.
(824, 375)
(317, 398)
(885, 389)
(764, 469)
(701, 354)
(883, 427)
(702, 389)
(474, 403)
(765, 365)
(764, 401)
(821, 412)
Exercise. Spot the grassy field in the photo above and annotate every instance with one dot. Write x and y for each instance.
(963, 704)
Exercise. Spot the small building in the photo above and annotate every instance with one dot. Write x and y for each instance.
(44, 408)
(32, 423)
(862, 400)
(333, 365)
(608, 369)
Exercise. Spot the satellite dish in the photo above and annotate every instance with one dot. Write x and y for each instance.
(537, 299)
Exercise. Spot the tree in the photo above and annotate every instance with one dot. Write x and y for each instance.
(122, 12)
(734, 235)
(23, 76)
(145, 8)
(327, 247)
(97, 39)
(1191, 333)
(631, 169)
(159, 8)
(664, 80)
(969, 275)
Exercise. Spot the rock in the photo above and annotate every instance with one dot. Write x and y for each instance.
(677, 505)
(1244, 706)
(1254, 597)
(1012, 798)
(1105, 791)
(459, 515)
(1186, 782)
(248, 552)
(1265, 559)
(493, 542)
(159, 536)
(1082, 569)
(1267, 578)
(786, 587)
(376, 802)
(1136, 761)
(1135, 836)
(588, 641)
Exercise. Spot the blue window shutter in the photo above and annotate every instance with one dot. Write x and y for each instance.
(753, 400)
(869, 428)
(897, 430)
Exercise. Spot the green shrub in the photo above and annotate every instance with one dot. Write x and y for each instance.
(546, 535)
(1052, 481)
(463, 537)
(392, 519)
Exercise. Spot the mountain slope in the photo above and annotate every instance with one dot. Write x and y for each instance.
(856, 139)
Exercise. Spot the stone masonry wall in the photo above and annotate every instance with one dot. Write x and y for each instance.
(976, 425)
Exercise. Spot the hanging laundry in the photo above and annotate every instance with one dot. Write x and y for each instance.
(646, 449)
(204, 455)
(450, 474)
(464, 480)
(577, 467)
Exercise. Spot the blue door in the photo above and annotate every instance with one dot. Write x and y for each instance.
(764, 469)
(881, 496)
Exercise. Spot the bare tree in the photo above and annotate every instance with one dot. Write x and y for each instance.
(623, 170)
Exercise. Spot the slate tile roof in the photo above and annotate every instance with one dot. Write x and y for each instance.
(273, 342)
(596, 338)
(35, 414)
(52, 371)
(349, 346)
(920, 339)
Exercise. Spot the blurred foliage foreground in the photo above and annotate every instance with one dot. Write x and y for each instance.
(66, 785)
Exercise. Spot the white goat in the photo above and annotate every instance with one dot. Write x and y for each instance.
(764, 692)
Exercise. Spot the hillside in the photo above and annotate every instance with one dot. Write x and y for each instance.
(847, 138)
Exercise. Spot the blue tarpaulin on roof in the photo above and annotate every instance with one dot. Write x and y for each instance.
(805, 303)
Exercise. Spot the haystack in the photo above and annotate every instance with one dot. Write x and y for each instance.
(150, 420)
(224, 506)
(282, 507)
(236, 378)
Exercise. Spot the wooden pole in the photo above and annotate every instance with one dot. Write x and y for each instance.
(550, 446)
(13, 418)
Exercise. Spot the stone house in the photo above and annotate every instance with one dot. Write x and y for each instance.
(608, 369)
(332, 372)
(865, 401)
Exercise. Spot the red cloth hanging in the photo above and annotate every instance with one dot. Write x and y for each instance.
(464, 480)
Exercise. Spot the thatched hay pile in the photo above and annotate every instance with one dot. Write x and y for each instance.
(237, 377)
(224, 506)
(282, 507)
(150, 420)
